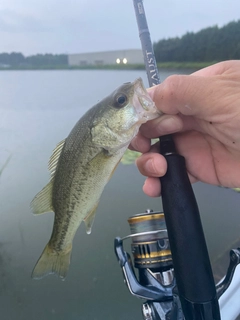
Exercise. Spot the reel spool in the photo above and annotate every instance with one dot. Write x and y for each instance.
(150, 245)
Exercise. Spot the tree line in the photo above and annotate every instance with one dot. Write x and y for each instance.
(210, 44)
(17, 59)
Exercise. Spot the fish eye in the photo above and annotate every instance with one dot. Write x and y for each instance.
(121, 100)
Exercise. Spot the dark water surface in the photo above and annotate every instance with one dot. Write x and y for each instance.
(37, 110)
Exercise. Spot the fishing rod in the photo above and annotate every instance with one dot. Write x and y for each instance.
(174, 270)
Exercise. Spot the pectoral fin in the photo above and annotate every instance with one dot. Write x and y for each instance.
(114, 169)
(90, 219)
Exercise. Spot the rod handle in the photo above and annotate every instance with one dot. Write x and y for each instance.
(191, 261)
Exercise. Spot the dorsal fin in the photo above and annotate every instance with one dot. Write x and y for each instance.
(43, 200)
(53, 161)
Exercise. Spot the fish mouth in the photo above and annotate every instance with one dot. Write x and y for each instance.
(142, 94)
(143, 103)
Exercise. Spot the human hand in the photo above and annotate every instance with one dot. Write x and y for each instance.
(203, 112)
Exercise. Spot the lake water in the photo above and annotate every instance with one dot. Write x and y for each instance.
(37, 110)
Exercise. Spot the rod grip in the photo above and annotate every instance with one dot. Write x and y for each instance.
(191, 261)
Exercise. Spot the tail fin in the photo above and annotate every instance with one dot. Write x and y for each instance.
(52, 262)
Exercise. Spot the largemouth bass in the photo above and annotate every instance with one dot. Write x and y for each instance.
(81, 166)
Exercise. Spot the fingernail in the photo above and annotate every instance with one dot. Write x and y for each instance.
(149, 166)
(169, 124)
(151, 91)
(134, 143)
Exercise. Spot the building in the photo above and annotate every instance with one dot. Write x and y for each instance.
(131, 56)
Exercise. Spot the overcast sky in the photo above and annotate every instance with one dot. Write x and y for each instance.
(74, 26)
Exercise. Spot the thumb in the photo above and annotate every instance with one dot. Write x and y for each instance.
(189, 95)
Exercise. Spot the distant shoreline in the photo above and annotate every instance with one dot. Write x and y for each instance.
(163, 65)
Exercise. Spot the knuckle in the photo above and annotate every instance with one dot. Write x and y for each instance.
(171, 85)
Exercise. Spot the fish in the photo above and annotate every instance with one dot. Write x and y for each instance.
(81, 166)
